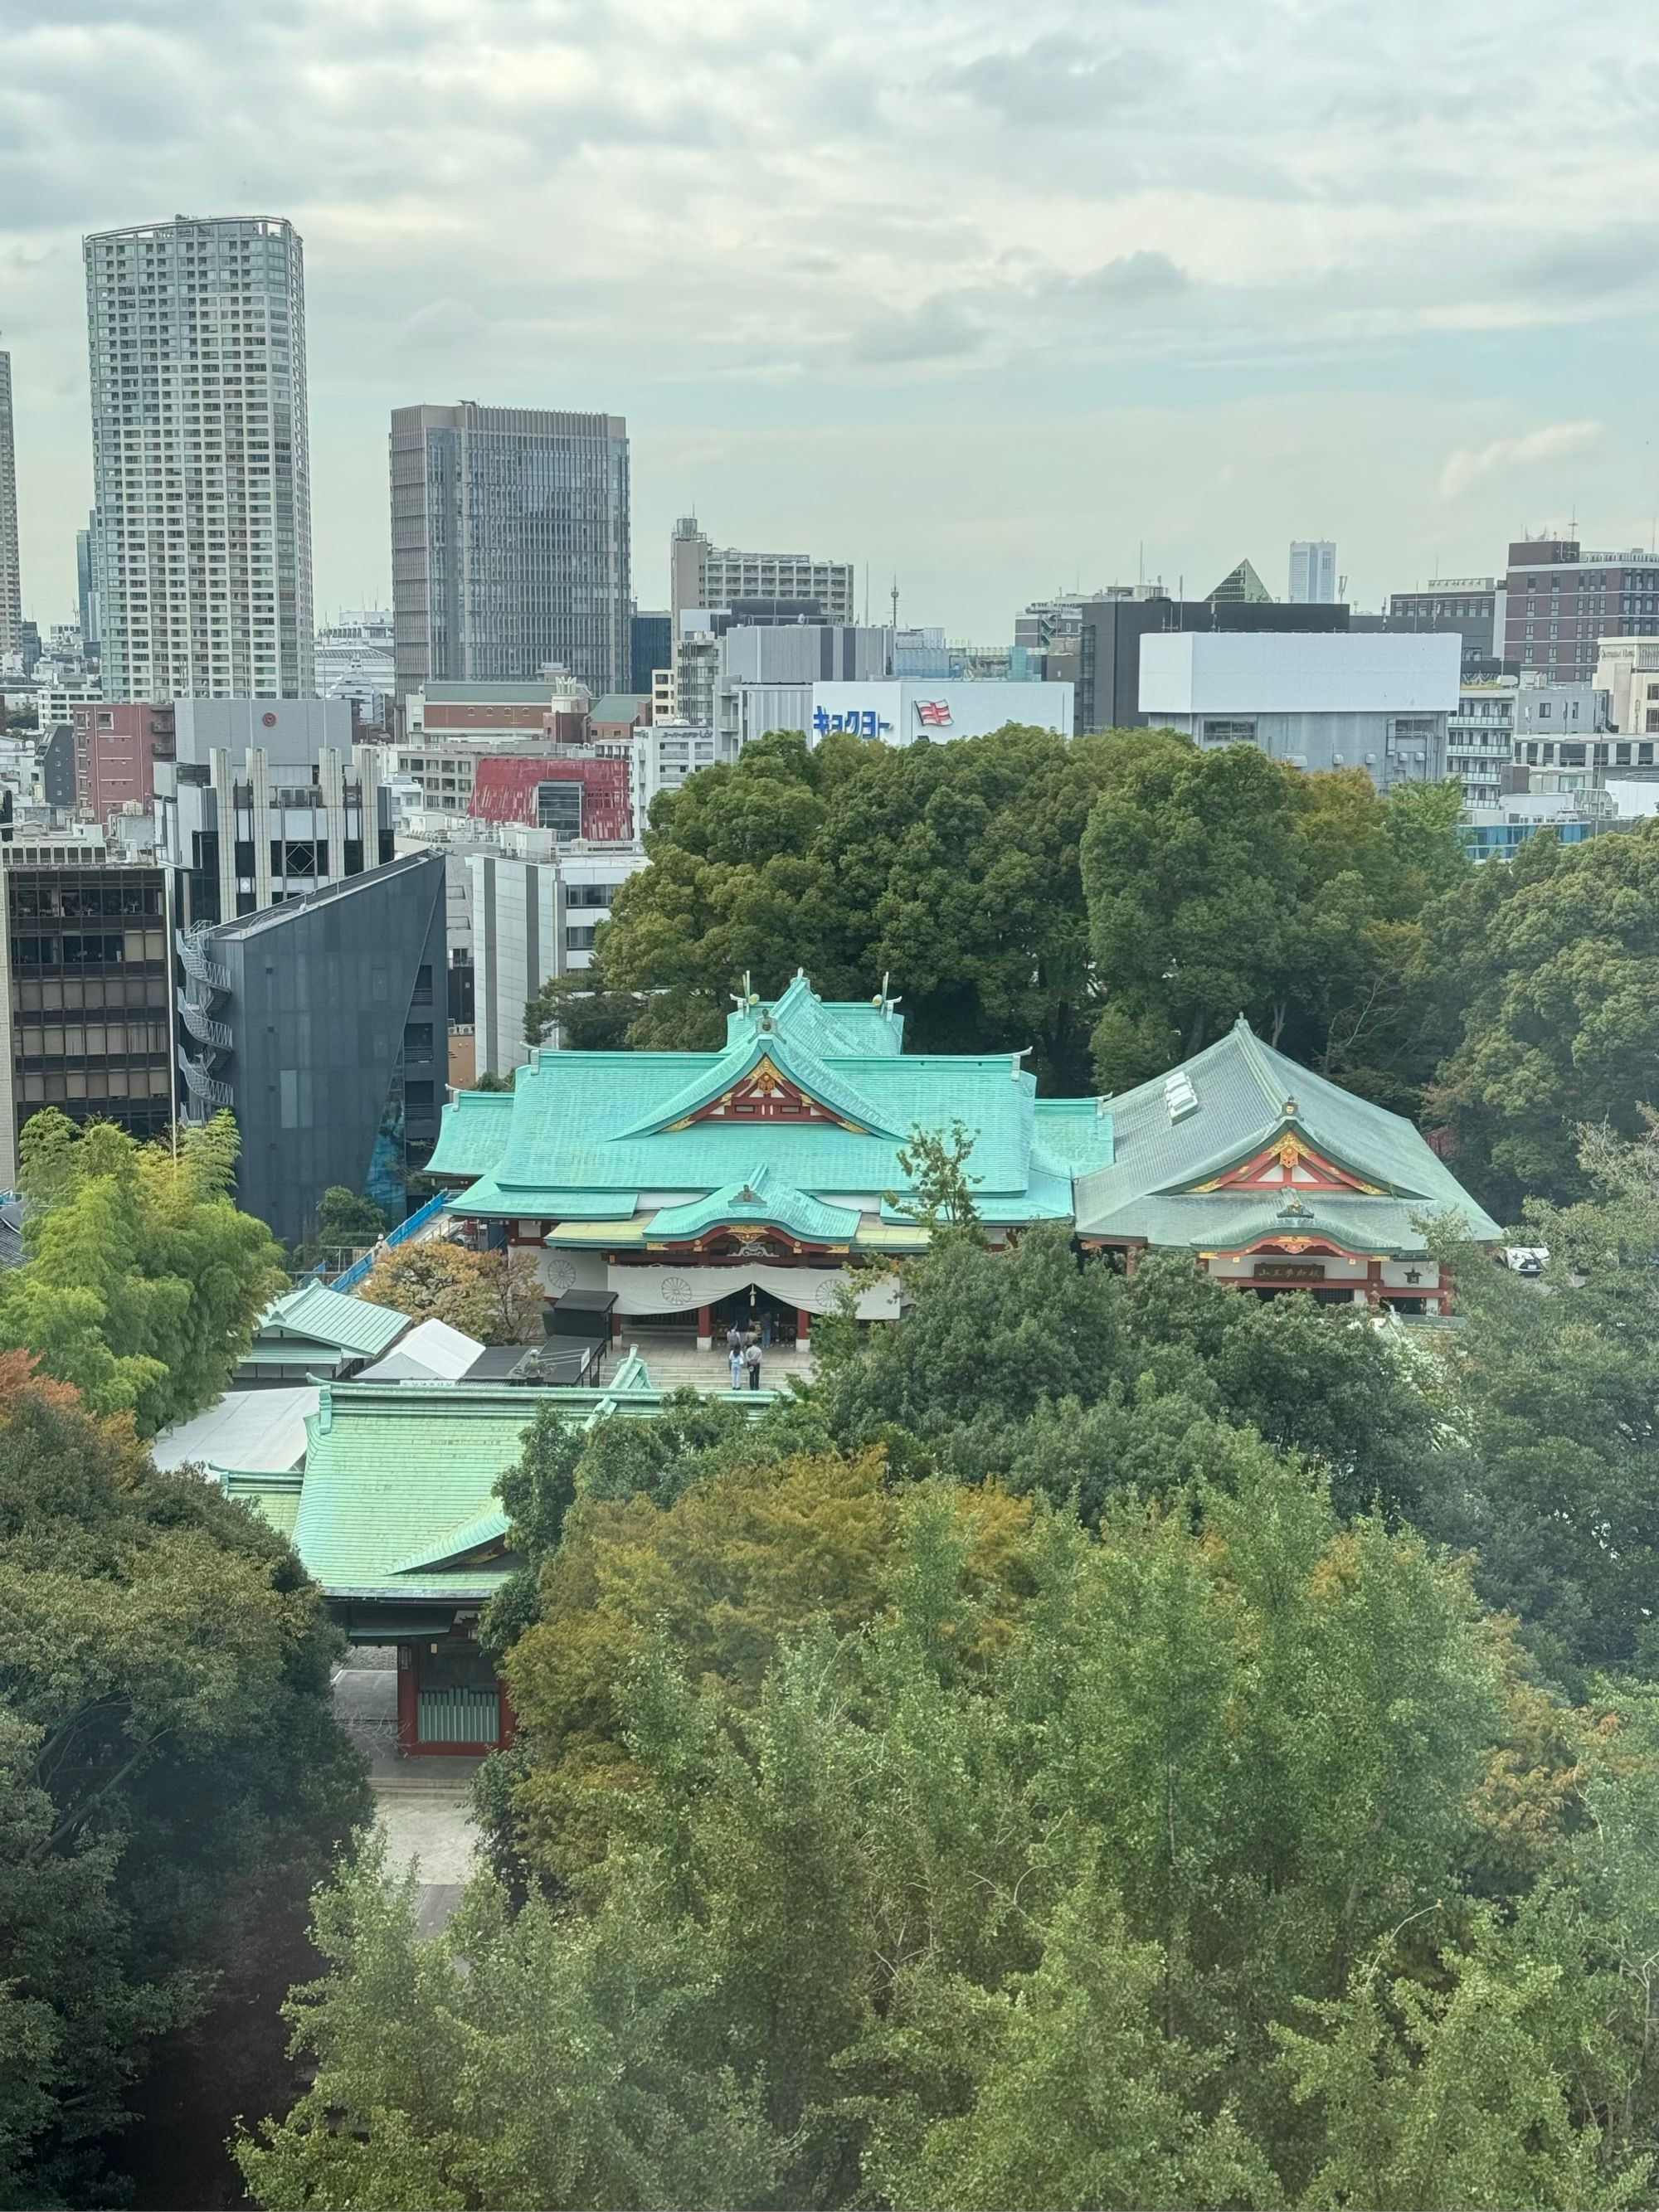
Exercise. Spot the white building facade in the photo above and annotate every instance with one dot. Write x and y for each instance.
(1379, 700)
(1313, 571)
(532, 917)
(910, 710)
(202, 536)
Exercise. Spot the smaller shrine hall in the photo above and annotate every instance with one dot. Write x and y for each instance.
(697, 1188)
(1275, 1179)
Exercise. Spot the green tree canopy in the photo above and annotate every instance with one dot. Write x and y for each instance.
(142, 1283)
(172, 1786)
(492, 1296)
(1180, 1871)
(1225, 882)
(954, 867)
(1553, 961)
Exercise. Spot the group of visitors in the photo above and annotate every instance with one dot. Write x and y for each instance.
(745, 1349)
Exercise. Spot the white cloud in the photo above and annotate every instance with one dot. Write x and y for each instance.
(1468, 464)
(764, 222)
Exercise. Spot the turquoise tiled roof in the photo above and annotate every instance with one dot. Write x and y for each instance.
(1074, 1135)
(400, 1477)
(762, 1197)
(313, 1315)
(475, 1131)
(1240, 1089)
(600, 1122)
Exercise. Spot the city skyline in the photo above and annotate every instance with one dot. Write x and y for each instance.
(1025, 311)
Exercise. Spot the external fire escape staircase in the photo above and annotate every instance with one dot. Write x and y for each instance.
(205, 980)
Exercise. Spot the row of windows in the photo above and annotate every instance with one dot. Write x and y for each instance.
(89, 948)
(58, 1089)
(77, 1040)
(74, 994)
(84, 901)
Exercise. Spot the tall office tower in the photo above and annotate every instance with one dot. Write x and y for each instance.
(201, 530)
(86, 587)
(1313, 572)
(705, 575)
(11, 587)
(509, 545)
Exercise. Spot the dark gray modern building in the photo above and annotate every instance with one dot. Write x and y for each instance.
(85, 1016)
(322, 1025)
(1109, 631)
(509, 545)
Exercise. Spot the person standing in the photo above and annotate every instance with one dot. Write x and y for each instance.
(735, 1355)
(751, 1360)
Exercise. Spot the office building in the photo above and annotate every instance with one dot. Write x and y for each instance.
(265, 802)
(1313, 572)
(1474, 606)
(11, 581)
(1628, 670)
(1111, 627)
(1562, 601)
(509, 545)
(86, 1007)
(322, 1023)
(1376, 701)
(703, 576)
(663, 754)
(651, 646)
(116, 745)
(534, 916)
(201, 540)
(86, 590)
(550, 706)
(764, 674)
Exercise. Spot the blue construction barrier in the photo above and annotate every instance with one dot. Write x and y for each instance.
(360, 1270)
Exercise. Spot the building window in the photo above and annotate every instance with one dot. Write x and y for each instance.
(1229, 732)
(417, 1039)
(578, 938)
(423, 986)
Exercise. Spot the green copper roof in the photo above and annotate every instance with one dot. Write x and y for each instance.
(274, 1497)
(399, 1483)
(762, 1197)
(1074, 1135)
(315, 1316)
(475, 1132)
(821, 1079)
(1229, 1101)
(600, 1122)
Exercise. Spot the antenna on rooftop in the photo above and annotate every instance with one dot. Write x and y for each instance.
(896, 602)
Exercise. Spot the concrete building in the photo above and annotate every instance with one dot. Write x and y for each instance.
(1481, 736)
(1111, 629)
(202, 537)
(1313, 572)
(322, 1023)
(765, 673)
(1474, 606)
(1562, 601)
(116, 744)
(83, 946)
(534, 916)
(354, 661)
(265, 803)
(11, 581)
(663, 754)
(1628, 670)
(509, 545)
(1378, 702)
(703, 575)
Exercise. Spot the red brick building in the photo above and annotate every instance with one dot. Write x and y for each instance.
(1561, 601)
(118, 742)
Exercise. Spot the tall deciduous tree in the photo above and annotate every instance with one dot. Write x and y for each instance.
(172, 1786)
(494, 1296)
(142, 1283)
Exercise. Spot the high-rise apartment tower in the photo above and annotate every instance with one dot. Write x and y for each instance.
(11, 588)
(202, 536)
(509, 545)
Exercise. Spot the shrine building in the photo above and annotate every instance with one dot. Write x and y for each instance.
(701, 1187)
(1275, 1179)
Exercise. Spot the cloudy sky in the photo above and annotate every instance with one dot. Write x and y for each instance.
(997, 299)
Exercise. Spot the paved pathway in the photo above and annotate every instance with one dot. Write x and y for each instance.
(422, 1805)
(675, 1362)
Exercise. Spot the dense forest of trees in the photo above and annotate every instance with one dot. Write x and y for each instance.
(1106, 1743)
